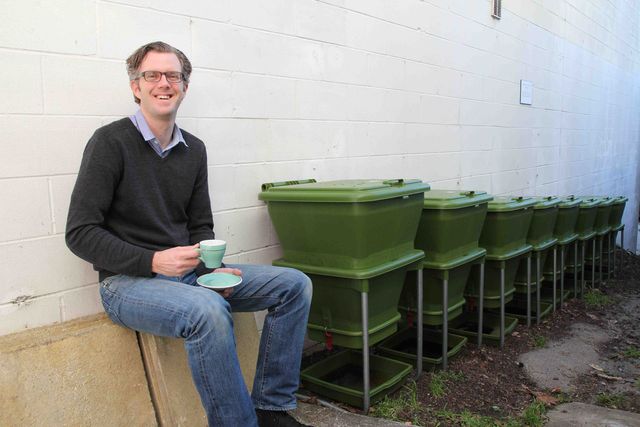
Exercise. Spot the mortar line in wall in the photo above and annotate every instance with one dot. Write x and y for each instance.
(9, 178)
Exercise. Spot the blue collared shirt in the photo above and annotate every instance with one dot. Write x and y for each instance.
(141, 124)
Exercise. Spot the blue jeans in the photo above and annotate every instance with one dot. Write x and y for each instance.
(177, 307)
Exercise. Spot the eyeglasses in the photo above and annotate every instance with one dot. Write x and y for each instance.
(155, 76)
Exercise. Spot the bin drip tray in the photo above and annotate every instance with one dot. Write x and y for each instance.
(403, 346)
(518, 308)
(467, 325)
(339, 377)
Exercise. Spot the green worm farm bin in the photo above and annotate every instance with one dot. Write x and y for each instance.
(601, 224)
(450, 224)
(350, 224)
(339, 377)
(587, 217)
(402, 346)
(564, 231)
(504, 236)
(540, 236)
(617, 209)
(505, 228)
(336, 306)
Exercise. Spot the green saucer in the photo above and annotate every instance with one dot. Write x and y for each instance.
(219, 280)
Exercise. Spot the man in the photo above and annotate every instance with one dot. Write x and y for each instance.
(138, 210)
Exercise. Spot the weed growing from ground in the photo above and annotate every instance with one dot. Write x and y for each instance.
(596, 299)
(437, 386)
(393, 408)
(610, 400)
(632, 353)
(533, 415)
(539, 341)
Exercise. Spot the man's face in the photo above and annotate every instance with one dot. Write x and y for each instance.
(160, 99)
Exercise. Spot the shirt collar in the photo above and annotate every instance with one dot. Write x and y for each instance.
(142, 125)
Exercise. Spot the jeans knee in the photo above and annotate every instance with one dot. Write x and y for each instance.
(210, 314)
(300, 284)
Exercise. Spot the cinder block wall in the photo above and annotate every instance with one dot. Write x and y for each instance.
(326, 89)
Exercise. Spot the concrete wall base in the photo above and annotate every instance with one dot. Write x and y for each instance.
(92, 372)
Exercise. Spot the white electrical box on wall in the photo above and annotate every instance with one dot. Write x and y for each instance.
(526, 92)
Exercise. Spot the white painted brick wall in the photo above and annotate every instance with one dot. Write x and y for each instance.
(325, 89)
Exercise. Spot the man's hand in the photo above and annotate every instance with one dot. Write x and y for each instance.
(226, 293)
(175, 261)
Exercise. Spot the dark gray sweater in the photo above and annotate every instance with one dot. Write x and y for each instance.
(128, 202)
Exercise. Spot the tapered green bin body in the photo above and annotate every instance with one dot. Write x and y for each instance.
(450, 225)
(448, 233)
(587, 212)
(457, 274)
(504, 236)
(350, 224)
(336, 306)
(601, 225)
(339, 377)
(615, 220)
(564, 231)
(540, 236)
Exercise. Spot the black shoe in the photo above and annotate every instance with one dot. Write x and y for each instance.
(277, 419)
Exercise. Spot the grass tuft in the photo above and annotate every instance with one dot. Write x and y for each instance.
(539, 341)
(596, 299)
(439, 380)
(632, 353)
(395, 408)
(610, 400)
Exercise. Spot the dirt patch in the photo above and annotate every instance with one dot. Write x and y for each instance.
(493, 382)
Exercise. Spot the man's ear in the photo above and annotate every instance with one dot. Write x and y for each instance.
(135, 87)
(186, 86)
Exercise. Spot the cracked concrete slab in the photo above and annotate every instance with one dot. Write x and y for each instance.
(558, 364)
(583, 415)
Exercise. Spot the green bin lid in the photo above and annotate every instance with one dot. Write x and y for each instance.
(589, 202)
(348, 191)
(619, 200)
(454, 199)
(604, 200)
(569, 202)
(546, 202)
(506, 204)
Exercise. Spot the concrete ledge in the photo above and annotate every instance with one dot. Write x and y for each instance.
(84, 372)
(93, 372)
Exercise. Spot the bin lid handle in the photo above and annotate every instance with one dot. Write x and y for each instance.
(269, 185)
(399, 181)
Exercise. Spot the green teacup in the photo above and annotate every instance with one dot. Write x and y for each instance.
(212, 252)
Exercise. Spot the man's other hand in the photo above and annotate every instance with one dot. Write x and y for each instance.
(226, 293)
(175, 261)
